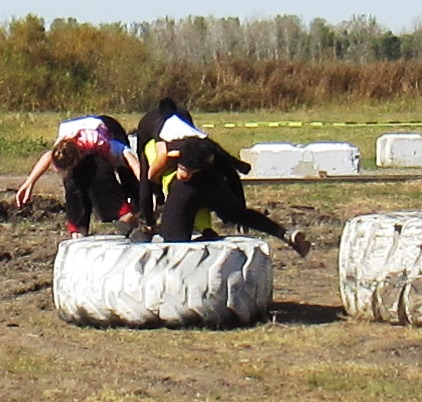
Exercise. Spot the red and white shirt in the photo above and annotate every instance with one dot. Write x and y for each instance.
(92, 136)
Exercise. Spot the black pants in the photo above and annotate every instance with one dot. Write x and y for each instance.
(92, 185)
(208, 190)
(148, 191)
(130, 185)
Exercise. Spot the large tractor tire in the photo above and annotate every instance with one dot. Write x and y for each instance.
(109, 281)
(380, 258)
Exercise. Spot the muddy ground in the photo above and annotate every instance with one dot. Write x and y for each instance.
(44, 358)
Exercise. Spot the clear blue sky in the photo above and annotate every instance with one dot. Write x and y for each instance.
(397, 15)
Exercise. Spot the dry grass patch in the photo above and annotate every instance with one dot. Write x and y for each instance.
(306, 351)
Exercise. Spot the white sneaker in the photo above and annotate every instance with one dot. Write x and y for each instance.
(76, 235)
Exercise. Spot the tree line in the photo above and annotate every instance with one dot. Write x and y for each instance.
(208, 64)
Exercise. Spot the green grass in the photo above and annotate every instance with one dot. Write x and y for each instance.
(342, 200)
(365, 383)
(24, 136)
(44, 358)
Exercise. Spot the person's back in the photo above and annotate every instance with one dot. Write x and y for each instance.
(115, 129)
(81, 152)
(151, 123)
(147, 134)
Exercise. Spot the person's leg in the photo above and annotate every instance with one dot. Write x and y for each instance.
(109, 202)
(250, 218)
(130, 185)
(150, 194)
(229, 208)
(105, 192)
(186, 199)
(211, 191)
(146, 202)
(179, 212)
(258, 221)
(78, 205)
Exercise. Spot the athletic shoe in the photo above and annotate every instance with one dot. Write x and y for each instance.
(140, 236)
(123, 228)
(208, 234)
(297, 240)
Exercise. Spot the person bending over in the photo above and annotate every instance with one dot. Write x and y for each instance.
(201, 183)
(86, 158)
(151, 193)
(162, 167)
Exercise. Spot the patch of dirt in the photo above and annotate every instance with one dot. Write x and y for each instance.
(44, 358)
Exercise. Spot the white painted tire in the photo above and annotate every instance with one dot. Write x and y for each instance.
(410, 309)
(379, 254)
(109, 281)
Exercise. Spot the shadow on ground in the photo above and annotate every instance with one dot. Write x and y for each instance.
(298, 313)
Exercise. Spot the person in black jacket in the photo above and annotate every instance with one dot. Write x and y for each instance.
(161, 127)
(149, 128)
(203, 180)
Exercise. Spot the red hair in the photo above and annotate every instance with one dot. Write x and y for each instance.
(66, 154)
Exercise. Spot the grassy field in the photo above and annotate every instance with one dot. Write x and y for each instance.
(309, 351)
(24, 136)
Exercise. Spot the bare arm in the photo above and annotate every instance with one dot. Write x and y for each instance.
(158, 167)
(25, 190)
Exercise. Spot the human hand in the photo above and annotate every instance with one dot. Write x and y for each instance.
(23, 195)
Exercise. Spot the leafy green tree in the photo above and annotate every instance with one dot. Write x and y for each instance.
(290, 37)
(321, 38)
(361, 31)
(387, 47)
(25, 64)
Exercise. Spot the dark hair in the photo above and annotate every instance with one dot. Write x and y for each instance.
(167, 106)
(196, 153)
(66, 154)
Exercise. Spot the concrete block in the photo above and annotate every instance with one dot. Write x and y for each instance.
(286, 160)
(399, 150)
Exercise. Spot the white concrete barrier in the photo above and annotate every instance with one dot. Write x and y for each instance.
(380, 257)
(109, 281)
(286, 160)
(399, 150)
